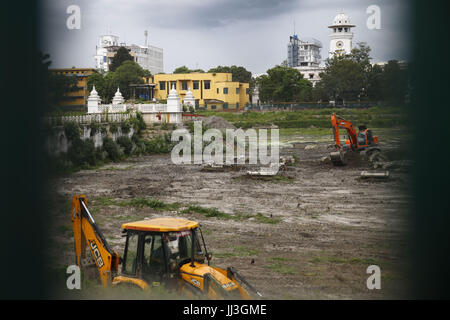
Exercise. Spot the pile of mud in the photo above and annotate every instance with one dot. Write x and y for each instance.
(215, 122)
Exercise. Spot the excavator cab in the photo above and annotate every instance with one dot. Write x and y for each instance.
(360, 140)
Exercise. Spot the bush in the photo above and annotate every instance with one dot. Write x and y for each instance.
(111, 148)
(125, 126)
(126, 144)
(72, 131)
(140, 144)
(114, 127)
(158, 145)
(82, 153)
(95, 127)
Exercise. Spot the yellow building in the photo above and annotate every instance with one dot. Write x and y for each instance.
(212, 91)
(78, 98)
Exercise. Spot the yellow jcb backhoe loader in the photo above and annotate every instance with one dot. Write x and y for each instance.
(160, 251)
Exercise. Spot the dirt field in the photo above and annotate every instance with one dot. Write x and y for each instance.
(319, 227)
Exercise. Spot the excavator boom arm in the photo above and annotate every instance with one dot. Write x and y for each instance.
(338, 122)
(87, 233)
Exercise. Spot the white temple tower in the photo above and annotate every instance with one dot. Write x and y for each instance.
(189, 99)
(341, 37)
(174, 107)
(118, 98)
(93, 101)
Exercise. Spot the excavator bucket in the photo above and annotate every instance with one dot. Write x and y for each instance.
(338, 158)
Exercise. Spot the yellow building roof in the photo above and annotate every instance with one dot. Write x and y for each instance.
(161, 224)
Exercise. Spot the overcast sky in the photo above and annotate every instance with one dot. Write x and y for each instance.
(207, 33)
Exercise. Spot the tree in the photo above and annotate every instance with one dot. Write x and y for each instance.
(184, 69)
(347, 77)
(394, 81)
(120, 57)
(238, 74)
(341, 79)
(374, 88)
(59, 85)
(283, 84)
(129, 72)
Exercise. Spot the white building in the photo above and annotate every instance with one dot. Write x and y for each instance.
(148, 57)
(101, 60)
(341, 37)
(304, 52)
(311, 73)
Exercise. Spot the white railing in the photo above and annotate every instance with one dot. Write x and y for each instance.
(112, 108)
(151, 107)
(90, 118)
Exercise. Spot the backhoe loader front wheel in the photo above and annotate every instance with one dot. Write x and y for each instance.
(338, 158)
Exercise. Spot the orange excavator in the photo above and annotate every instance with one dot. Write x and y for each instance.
(170, 252)
(361, 140)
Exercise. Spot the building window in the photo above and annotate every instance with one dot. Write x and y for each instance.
(217, 90)
(173, 84)
(311, 75)
(225, 105)
(237, 90)
(237, 105)
(162, 85)
(213, 107)
(207, 84)
(225, 90)
(184, 85)
(195, 85)
(247, 91)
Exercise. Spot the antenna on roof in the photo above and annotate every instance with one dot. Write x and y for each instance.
(146, 35)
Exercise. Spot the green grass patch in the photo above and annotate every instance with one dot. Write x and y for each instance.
(280, 268)
(242, 251)
(338, 260)
(216, 213)
(223, 255)
(207, 212)
(382, 117)
(268, 220)
(280, 259)
(137, 203)
(237, 251)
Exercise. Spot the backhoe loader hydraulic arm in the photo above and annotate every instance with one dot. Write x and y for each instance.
(87, 233)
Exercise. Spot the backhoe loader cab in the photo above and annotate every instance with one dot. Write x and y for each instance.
(160, 251)
(156, 249)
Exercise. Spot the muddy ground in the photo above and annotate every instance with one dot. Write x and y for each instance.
(327, 224)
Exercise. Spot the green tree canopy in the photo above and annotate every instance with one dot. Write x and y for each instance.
(128, 73)
(354, 77)
(238, 74)
(346, 76)
(283, 84)
(394, 82)
(184, 69)
(121, 56)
